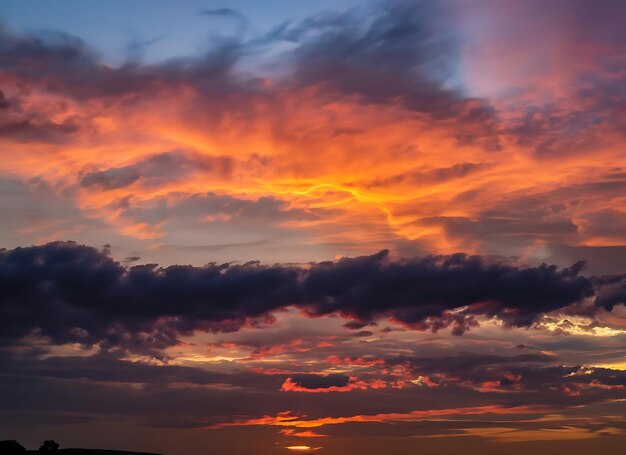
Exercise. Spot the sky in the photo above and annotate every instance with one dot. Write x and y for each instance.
(346, 227)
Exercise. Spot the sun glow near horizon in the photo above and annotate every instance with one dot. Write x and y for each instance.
(303, 448)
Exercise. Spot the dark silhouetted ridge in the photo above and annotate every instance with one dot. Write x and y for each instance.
(94, 452)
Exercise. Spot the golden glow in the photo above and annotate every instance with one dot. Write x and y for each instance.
(393, 175)
(303, 448)
(612, 366)
(287, 419)
(580, 325)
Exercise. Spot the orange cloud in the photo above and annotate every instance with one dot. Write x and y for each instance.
(302, 434)
(287, 419)
(346, 170)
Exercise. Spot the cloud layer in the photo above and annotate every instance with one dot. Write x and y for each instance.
(478, 147)
(366, 130)
(77, 294)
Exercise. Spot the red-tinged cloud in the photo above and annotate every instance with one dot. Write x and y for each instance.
(287, 419)
(311, 383)
(315, 383)
(302, 434)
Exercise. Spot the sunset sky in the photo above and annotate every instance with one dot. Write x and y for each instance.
(335, 226)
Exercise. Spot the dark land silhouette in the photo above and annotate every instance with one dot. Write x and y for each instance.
(91, 452)
(49, 446)
(12, 447)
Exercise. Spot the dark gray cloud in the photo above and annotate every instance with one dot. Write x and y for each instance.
(414, 290)
(391, 52)
(74, 293)
(113, 178)
(228, 13)
(399, 44)
(320, 381)
(465, 361)
(401, 53)
(63, 63)
(105, 368)
(68, 292)
(35, 128)
(613, 292)
(21, 122)
(4, 103)
(158, 169)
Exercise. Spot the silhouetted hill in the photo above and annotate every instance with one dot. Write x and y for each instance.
(93, 452)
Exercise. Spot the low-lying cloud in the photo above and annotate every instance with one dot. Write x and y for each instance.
(72, 293)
